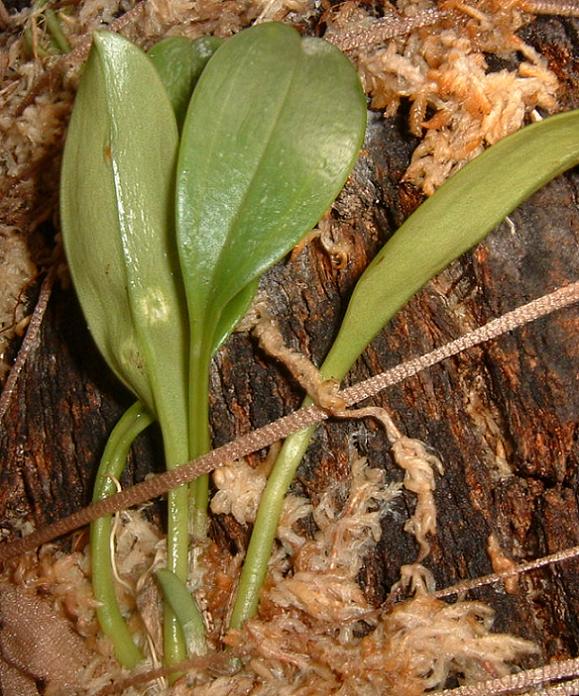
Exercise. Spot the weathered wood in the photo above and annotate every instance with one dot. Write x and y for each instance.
(53, 434)
(502, 417)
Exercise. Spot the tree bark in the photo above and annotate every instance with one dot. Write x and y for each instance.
(502, 416)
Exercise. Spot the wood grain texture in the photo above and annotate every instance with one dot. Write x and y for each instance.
(502, 417)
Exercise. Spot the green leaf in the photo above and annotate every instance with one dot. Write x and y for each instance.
(233, 313)
(458, 216)
(180, 62)
(186, 610)
(116, 207)
(271, 134)
(117, 213)
(461, 213)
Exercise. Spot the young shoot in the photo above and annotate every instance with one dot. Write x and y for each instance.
(272, 132)
(167, 235)
(458, 216)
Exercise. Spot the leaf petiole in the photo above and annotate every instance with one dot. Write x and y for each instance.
(112, 465)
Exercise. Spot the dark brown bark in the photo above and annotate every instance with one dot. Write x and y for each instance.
(502, 417)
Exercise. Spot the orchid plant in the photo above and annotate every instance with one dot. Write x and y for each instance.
(186, 174)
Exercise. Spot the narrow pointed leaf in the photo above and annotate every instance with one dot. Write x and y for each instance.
(117, 220)
(458, 216)
(180, 62)
(271, 134)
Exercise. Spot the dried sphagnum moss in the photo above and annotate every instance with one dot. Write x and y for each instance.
(458, 106)
(316, 632)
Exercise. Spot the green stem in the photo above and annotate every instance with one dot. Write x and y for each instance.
(199, 440)
(199, 502)
(185, 607)
(55, 30)
(271, 504)
(264, 529)
(112, 464)
(177, 545)
(178, 449)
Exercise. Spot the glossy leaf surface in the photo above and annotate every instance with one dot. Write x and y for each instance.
(271, 134)
(117, 219)
(117, 212)
(180, 62)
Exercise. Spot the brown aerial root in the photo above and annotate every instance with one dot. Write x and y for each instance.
(562, 8)
(339, 252)
(30, 342)
(528, 680)
(383, 29)
(393, 25)
(500, 563)
(324, 394)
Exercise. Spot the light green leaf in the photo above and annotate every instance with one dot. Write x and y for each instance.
(116, 207)
(185, 607)
(271, 134)
(180, 62)
(460, 214)
(117, 203)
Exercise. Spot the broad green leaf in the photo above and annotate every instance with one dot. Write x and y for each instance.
(117, 203)
(116, 208)
(459, 215)
(271, 134)
(180, 62)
